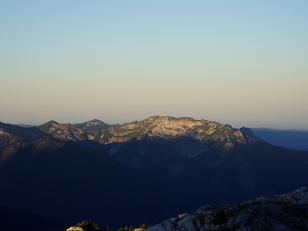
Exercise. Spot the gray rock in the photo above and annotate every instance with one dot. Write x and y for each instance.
(284, 212)
(75, 228)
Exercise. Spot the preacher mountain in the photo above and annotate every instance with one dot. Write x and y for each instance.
(137, 172)
(94, 125)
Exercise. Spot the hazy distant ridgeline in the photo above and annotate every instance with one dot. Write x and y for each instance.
(139, 172)
(285, 138)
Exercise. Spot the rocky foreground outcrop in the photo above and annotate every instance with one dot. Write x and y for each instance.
(75, 228)
(283, 212)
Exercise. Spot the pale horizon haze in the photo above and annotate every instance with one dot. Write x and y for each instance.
(244, 63)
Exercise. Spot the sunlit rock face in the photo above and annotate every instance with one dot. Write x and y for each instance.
(75, 228)
(165, 127)
(92, 125)
(284, 212)
(65, 132)
(171, 127)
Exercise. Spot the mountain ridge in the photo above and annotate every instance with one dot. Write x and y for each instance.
(175, 164)
(153, 126)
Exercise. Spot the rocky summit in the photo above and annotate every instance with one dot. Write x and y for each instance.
(171, 127)
(63, 132)
(284, 212)
(154, 126)
(162, 127)
(208, 133)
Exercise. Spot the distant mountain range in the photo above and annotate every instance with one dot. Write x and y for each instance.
(139, 172)
(285, 138)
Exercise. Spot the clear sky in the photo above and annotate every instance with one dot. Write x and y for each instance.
(238, 62)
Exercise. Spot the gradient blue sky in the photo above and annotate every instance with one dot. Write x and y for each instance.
(238, 62)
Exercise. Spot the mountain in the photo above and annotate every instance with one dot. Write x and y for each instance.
(13, 138)
(284, 212)
(94, 125)
(170, 127)
(91, 130)
(63, 132)
(155, 126)
(139, 172)
(26, 134)
(285, 138)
